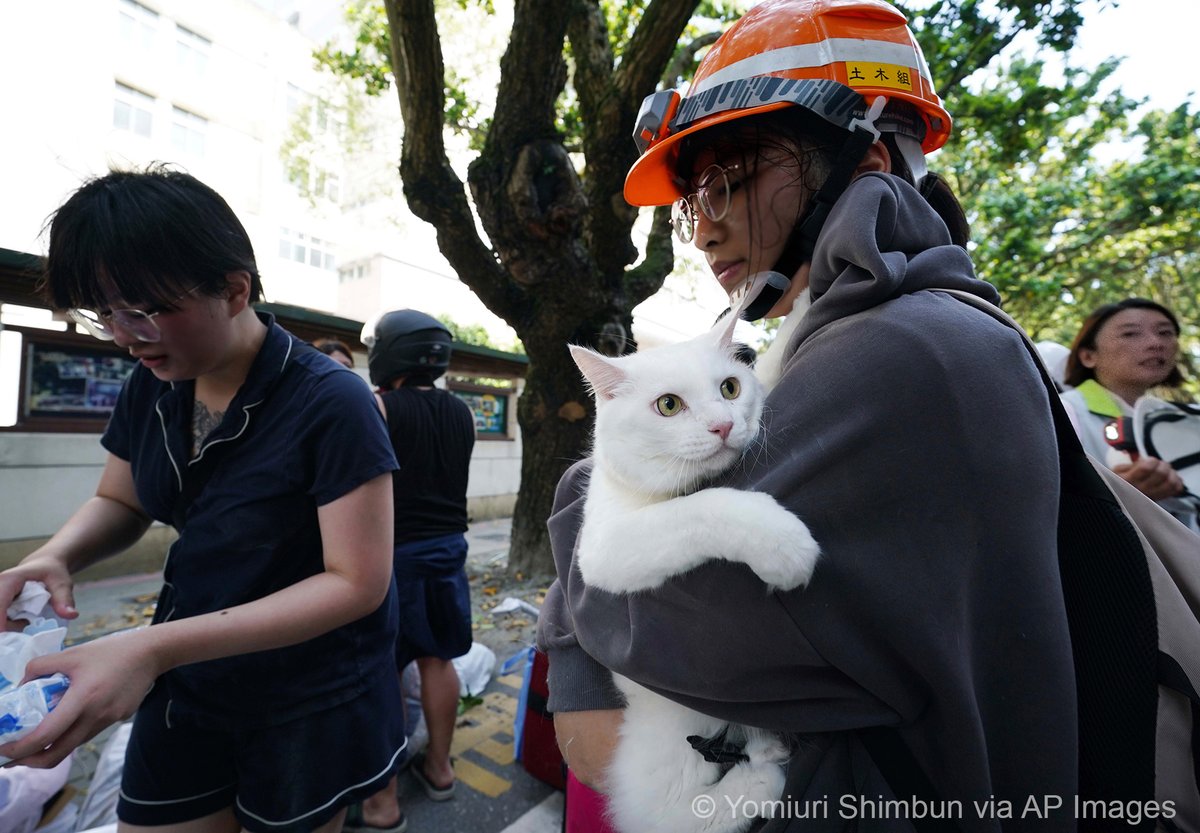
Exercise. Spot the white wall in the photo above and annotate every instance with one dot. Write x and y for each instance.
(43, 479)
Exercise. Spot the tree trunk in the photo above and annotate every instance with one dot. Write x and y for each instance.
(555, 265)
(555, 415)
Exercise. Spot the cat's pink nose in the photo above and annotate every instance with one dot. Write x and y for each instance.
(722, 428)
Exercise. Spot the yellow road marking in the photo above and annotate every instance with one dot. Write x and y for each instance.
(512, 681)
(501, 753)
(480, 779)
(477, 730)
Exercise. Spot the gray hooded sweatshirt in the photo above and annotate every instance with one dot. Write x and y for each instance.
(912, 433)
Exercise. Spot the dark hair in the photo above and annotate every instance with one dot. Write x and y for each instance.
(146, 236)
(329, 346)
(818, 142)
(1085, 339)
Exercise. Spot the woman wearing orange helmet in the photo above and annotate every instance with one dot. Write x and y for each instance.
(929, 656)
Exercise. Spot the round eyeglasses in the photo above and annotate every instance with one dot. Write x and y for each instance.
(712, 197)
(138, 323)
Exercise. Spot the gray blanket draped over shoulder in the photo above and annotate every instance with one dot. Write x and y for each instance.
(912, 434)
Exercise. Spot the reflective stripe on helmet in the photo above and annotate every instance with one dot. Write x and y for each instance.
(831, 100)
(822, 53)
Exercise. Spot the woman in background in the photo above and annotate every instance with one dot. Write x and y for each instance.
(1123, 351)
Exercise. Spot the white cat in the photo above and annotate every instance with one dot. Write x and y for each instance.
(667, 421)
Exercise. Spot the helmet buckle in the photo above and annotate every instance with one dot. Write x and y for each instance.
(867, 122)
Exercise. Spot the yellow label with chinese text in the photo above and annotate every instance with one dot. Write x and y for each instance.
(866, 73)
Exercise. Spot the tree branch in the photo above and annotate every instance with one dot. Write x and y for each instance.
(433, 190)
(651, 47)
(681, 65)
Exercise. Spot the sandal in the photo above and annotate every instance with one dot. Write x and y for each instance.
(434, 792)
(354, 822)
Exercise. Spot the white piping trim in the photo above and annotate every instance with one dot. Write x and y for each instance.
(245, 411)
(162, 421)
(331, 801)
(131, 800)
(246, 424)
(809, 55)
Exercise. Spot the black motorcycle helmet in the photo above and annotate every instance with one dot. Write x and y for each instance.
(406, 342)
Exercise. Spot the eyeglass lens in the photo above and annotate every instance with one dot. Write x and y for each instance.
(135, 322)
(711, 196)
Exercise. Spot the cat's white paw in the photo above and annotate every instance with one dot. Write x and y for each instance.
(757, 783)
(785, 552)
(767, 749)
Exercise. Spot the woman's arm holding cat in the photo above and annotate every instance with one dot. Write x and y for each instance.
(587, 706)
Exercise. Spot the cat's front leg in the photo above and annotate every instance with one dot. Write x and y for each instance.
(759, 532)
(642, 548)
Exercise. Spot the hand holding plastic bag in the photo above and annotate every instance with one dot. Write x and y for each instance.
(24, 706)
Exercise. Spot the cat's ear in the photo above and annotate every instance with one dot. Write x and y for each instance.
(723, 331)
(602, 373)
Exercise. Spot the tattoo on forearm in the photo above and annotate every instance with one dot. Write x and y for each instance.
(203, 422)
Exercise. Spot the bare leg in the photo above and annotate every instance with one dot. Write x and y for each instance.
(439, 700)
(383, 808)
(222, 821)
(334, 825)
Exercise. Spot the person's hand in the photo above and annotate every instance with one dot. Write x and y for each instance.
(109, 677)
(1152, 477)
(50, 572)
(587, 741)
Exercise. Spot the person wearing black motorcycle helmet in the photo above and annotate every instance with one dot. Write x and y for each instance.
(433, 433)
(406, 343)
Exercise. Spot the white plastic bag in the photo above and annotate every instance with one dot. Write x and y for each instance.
(23, 708)
(474, 669)
(100, 806)
(17, 649)
(24, 792)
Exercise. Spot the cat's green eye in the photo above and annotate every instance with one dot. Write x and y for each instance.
(730, 388)
(668, 404)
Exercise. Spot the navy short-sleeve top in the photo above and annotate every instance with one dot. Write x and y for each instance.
(301, 432)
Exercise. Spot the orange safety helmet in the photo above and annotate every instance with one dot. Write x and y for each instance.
(833, 57)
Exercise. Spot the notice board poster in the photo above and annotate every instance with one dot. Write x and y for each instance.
(490, 410)
(69, 381)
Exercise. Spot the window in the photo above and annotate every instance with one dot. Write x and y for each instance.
(296, 97)
(133, 110)
(187, 131)
(136, 25)
(352, 273)
(313, 182)
(302, 248)
(191, 51)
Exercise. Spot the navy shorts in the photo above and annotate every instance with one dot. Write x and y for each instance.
(288, 778)
(434, 599)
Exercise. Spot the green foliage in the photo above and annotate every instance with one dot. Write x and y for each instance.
(468, 701)
(1071, 204)
(366, 60)
(477, 335)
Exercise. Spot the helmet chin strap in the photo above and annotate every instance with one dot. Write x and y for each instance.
(762, 295)
(759, 294)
